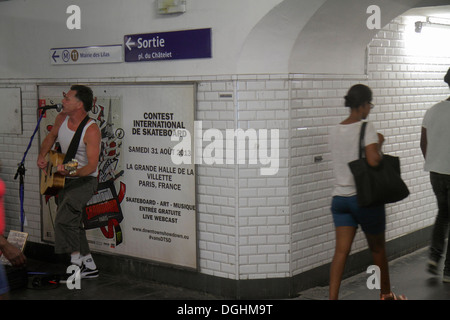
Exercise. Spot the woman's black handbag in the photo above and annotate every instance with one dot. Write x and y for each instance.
(377, 185)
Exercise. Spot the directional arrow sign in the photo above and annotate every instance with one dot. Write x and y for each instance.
(84, 55)
(130, 44)
(55, 56)
(185, 44)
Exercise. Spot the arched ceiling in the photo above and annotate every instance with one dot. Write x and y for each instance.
(320, 36)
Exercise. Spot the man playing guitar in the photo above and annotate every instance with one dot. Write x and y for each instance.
(79, 186)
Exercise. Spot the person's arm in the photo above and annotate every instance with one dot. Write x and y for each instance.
(49, 141)
(11, 252)
(373, 152)
(92, 140)
(424, 142)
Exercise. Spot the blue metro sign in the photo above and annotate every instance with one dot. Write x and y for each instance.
(185, 44)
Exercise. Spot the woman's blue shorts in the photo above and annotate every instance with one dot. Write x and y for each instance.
(347, 213)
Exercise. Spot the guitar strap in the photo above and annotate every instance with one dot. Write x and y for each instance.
(73, 147)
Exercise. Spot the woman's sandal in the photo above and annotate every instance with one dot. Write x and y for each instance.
(392, 296)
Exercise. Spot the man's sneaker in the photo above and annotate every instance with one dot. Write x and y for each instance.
(87, 273)
(432, 267)
(71, 273)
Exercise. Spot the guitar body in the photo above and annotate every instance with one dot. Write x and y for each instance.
(52, 182)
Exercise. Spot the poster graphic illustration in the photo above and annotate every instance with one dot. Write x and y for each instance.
(104, 209)
(145, 206)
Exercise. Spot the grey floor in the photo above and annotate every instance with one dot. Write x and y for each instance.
(105, 287)
(408, 277)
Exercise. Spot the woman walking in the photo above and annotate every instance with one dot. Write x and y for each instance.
(347, 215)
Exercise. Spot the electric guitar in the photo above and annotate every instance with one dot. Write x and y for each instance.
(53, 181)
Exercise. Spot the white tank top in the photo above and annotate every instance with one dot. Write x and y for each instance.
(65, 136)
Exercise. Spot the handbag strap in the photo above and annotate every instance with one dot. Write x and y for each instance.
(73, 147)
(361, 148)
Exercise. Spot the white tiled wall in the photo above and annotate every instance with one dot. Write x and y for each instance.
(404, 87)
(256, 227)
(264, 213)
(244, 216)
(12, 149)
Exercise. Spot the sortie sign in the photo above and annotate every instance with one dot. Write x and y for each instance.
(185, 44)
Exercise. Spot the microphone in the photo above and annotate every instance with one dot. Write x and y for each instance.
(58, 107)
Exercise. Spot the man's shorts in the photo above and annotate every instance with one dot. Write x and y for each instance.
(347, 213)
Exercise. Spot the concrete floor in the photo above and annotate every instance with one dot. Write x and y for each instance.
(408, 277)
(105, 287)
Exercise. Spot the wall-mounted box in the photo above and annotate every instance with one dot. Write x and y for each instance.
(11, 111)
(171, 6)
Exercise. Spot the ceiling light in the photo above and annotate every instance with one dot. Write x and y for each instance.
(432, 22)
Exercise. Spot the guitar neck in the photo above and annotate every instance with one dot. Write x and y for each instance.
(68, 167)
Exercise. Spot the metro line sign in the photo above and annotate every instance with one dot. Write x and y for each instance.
(86, 55)
(185, 44)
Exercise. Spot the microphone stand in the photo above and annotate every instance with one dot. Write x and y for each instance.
(21, 171)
